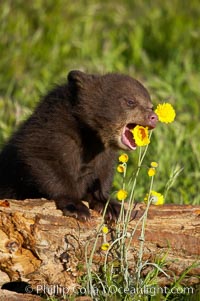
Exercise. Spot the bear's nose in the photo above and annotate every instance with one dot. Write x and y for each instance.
(153, 118)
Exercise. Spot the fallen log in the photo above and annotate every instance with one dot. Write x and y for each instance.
(40, 246)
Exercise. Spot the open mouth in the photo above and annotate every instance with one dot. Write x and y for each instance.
(127, 137)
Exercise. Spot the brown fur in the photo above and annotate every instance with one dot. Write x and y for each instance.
(66, 150)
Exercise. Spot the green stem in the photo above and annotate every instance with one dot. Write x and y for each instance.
(142, 237)
(89, 262)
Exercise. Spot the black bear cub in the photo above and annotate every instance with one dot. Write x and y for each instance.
(67, 148)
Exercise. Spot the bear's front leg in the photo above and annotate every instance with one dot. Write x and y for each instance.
(99, 194)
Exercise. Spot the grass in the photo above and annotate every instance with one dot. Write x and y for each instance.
(155, 41)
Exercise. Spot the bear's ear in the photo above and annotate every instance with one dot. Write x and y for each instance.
(77, 77)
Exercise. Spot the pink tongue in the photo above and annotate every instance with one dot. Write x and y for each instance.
(127, 139)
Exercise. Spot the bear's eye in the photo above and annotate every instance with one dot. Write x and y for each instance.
(130, 102)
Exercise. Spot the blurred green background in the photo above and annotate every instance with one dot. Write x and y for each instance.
(158, 42)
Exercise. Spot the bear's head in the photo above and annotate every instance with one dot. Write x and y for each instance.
(111, 104)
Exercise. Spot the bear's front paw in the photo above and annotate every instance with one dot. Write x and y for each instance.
(76, 210)
(112, 211)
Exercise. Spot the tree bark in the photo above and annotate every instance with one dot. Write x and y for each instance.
(40, 246)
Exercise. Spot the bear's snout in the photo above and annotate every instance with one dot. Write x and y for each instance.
(152, 119)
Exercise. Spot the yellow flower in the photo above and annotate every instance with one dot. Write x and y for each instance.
(140, 135)
(151, 172)
(123, 158)
(122, 194)
(105, 246)
(120, 168)
(165, 112)
(105, 229)
(155, 198)
(154, 164)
